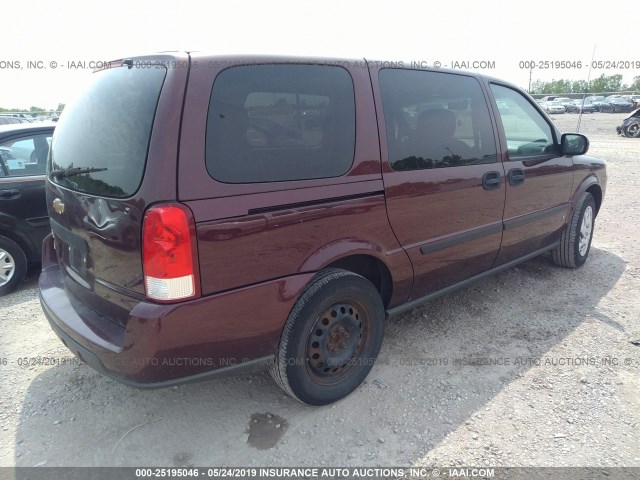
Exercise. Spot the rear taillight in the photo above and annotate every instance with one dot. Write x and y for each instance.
(169, 253)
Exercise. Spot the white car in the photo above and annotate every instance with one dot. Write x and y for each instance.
(564, 101)
(553, 107)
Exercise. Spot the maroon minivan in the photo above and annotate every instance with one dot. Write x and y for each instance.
(214, 215)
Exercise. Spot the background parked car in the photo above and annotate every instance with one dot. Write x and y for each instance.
(596, 101)
(565, 102)
(23, 211)
(631, 125)
(635, 99)
(578, 106)
(553, 107)
(616, 104)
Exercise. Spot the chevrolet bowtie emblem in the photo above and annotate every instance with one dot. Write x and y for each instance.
(58, 206)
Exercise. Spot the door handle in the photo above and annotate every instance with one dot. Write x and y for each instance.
(491, 180)
(9, 194)
(516, 177)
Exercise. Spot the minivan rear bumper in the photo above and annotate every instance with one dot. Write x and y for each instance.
(164, 345)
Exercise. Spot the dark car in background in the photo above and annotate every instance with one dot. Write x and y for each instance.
(617, 104)
(24, 221)
(596, 101)
(580, 106)
(630, 125)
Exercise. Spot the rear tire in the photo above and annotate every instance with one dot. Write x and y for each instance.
(575, 242)
(13, 265)
(331, 339)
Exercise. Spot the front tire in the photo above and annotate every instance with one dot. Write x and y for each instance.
(575, 243)
(13, 265)
(632, 131)
(331, 339)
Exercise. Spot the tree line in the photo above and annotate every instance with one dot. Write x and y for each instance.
(33, 110)
(602, 84)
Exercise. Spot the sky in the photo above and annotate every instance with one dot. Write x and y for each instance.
(496, 35)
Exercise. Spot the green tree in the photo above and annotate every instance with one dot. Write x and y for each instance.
(579, 86)
(604, 83)
(60, 108)
(537, 86)
(562, 86)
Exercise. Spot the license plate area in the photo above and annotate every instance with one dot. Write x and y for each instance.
(73, 254)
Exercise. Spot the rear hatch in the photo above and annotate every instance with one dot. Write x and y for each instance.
(113, 153)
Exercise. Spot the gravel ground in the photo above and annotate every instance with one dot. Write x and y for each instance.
(562, 389)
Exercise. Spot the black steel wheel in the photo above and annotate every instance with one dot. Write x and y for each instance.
(331, 339)
(335, 339)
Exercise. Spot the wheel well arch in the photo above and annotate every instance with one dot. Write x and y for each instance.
(23, 243)
(371, 268)
(596, 192)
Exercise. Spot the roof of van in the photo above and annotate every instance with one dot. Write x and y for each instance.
(220, 61)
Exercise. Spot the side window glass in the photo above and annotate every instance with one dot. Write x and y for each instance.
(435, 120)
(285, 119)
(24, 156)
(274, 123)
(526, 130)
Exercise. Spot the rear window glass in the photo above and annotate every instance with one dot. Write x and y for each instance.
(272, 123)
(105, 133)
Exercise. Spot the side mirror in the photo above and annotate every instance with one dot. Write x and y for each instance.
(574, 144)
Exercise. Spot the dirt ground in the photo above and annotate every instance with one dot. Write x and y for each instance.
(561, 389)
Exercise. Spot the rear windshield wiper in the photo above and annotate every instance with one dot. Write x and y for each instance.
(70, 172)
